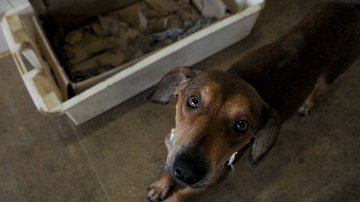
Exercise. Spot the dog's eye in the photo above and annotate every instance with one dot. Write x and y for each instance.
(241, 126)
(193, 101)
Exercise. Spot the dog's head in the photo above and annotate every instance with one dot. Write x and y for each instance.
(217, 114)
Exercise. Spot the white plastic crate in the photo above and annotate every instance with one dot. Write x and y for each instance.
(29, 48)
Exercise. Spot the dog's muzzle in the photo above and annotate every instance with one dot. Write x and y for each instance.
(188, 167)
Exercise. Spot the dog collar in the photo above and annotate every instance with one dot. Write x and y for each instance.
(172, 134)
(231, 161)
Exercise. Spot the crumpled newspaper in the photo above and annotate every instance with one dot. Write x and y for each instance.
(129, 33)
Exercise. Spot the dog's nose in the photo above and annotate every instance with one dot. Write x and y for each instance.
(189, 171)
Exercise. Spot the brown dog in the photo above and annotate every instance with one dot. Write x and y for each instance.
(220, 113)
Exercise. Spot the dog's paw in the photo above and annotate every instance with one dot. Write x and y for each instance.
(306, 109)
(158, 190)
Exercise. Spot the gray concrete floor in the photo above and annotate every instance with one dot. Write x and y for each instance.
(115, 156)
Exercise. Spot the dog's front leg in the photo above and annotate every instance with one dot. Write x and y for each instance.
(185, 194)
(160, 188)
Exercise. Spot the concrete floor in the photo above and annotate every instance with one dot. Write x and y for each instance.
(115, 156)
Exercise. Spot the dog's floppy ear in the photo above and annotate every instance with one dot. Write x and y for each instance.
(165, 89)
(266, 137)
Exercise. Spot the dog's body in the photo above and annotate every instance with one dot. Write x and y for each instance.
(322, 46)
(219, 113)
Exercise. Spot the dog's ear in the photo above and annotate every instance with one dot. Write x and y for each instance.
(266, 137)
(165, 89)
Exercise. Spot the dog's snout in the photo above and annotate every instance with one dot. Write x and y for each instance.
(189, 170)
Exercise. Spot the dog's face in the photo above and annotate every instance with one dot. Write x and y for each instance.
(217, 114)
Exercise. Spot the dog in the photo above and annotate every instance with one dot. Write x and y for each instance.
(221, 114)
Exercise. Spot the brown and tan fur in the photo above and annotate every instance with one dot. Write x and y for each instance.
(263, 89)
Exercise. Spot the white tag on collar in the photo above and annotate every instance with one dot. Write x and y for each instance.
(172, 134)
(231, 160)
